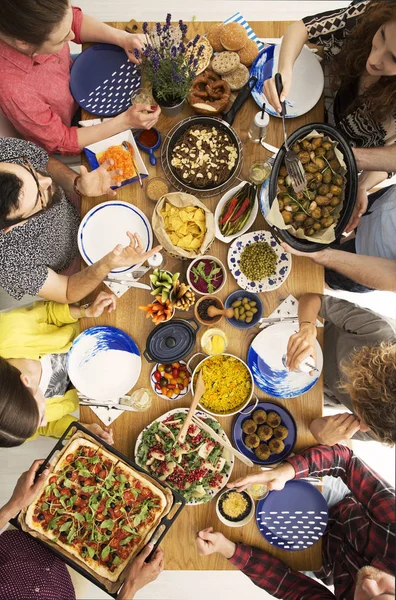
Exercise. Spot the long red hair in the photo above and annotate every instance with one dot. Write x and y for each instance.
(379, 98)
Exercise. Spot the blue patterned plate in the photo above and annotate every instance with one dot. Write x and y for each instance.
(266, 361)
(102, 80)
(307, 85)
(283, 265)
(294, 518)
(104, 363)
(287, 421)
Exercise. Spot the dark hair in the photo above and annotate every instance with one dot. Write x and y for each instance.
(19, 413)
(10, 187)
(350, 62)
(31, 21)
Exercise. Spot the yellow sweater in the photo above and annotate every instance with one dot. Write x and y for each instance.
(32, 332)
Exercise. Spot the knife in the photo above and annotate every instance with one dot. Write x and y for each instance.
(128, 283)
(125, 146)
(269, 147)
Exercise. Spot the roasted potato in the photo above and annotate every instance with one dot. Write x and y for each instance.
(326, 211)
(319, 162)
(320, 151)
(327, 145)
(322, 200)
(281, 181)
(335, 165)
(323, 189)
(304, 157)
(326, 222)
(310, 177)
(327, 175)
(335, 190)
(282, 188)
(283, 171)
(306, 145)
(296, 148)
(316, 142)
(330, 155)
(287, 217)
(281, 205)
(318, 177)
(335, 201)
(308, 222)
(309, 231)
(299, 217)
(337, 180)
(316, 213)
(311, 167)
(317, 226)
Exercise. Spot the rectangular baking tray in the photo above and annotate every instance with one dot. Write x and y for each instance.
(160, 531)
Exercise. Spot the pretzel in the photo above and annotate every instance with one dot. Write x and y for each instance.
(209, 94)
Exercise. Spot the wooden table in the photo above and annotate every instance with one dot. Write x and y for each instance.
(305, 276)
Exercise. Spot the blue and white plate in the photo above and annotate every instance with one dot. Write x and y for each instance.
(294, 518)
(283, 265)
(266, 360)
(307, 84)
(106, 225)
(104, 363)
(102, 80)
(287, 421)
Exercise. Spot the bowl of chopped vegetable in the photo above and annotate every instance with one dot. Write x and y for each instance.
(206, 275)
(247, 307)
(236, 211)
(235, 509)
(171, 381)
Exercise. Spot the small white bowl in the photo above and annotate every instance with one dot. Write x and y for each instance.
(189, 275)
(241, 523)
(180, 394)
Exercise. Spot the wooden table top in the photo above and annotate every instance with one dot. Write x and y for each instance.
(305, 276)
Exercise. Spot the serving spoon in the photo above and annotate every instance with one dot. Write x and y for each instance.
(199, 392)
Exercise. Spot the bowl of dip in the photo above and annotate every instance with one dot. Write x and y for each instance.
(206, 275)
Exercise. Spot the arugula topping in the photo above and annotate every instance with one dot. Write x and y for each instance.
(108, 524)
(199, 271)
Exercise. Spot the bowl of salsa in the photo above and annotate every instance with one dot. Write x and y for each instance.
(206, 275)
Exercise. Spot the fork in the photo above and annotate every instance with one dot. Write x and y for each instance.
(295, 170)
(126, 147)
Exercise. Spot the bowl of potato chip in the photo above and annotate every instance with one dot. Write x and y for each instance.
(183, 225)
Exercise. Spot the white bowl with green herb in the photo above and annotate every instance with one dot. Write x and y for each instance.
(206, 275)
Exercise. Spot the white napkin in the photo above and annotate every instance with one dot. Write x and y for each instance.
(288, 308)
(90, 122)
(106, 414)
(119, 289)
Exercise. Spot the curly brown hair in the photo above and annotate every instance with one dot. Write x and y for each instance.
(380, 98)
(370, 374)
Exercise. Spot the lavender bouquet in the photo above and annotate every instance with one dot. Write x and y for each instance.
(169, 62)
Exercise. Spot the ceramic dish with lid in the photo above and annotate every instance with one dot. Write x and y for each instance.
(235, 509)
(171, 341)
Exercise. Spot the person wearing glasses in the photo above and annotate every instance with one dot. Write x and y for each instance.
(39, 225)
(35, 67)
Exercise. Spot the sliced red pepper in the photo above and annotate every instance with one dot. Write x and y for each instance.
(229, 211)
(245, 204)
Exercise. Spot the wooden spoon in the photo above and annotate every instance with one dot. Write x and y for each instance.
(199, 392)
(226, 312)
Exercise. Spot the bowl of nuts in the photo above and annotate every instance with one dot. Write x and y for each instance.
(247, 307)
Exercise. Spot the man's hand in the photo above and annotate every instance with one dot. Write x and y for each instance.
(133, 254)
(301, 345)
(335, 429)
(270, 89)
(105, 434)
(104, 302)
(130, 43)
(26, 488)
(141, 116)
(359, 210)
(274, 479)
(98, 181)
(209, 542)
(140, 573)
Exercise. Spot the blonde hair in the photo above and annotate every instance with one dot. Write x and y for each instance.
(370, 374)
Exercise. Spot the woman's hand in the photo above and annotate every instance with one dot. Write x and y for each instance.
(275, 479)
(359, 209)
(301, 345)
(131, 42)
(99, 181)
(133, 254)
(105, 434)
(104, 302)
(336, 428)
(140, 572)
(141, 116)
(26, 488)
(209, 542)
(270, 89)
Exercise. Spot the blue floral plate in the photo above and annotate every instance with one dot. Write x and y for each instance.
(283, 265)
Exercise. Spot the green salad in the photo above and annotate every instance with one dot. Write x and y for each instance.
(195, 469)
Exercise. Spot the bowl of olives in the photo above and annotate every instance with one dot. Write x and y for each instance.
(247, 307)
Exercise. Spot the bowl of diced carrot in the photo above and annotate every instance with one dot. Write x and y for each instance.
(171, 381)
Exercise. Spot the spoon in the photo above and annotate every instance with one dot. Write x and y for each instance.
(199, 392)
(226, 312)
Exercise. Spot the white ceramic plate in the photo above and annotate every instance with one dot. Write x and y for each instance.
(201, 415)
(104, 363)
(307, 84)
(219, 208)
(105, 226)
(266, 361)
(283, 266)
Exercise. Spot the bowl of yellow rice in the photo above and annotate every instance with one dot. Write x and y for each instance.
(228, 384)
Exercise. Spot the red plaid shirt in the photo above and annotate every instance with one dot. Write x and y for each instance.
(360, 531)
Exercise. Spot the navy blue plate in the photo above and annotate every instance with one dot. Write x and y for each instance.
(102, 80)
(287, 420)
(244, 294)
(294, 518)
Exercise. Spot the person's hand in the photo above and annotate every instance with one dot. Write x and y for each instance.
(275, 479)
(270, 89)
(133, 254)
(209, 542)
(105, 434)
(99, 181)
(359, 209)
(140, 573)
(301, 345)
(132, 42)
(26, 488)
(335, 429)
(104, 301)
(141, 116)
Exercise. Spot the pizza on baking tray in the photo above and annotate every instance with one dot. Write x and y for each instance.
(97, 508)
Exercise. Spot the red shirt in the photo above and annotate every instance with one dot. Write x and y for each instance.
(35, 94)
(360, 532)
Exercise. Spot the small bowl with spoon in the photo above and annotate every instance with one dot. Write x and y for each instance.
(209, 310)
